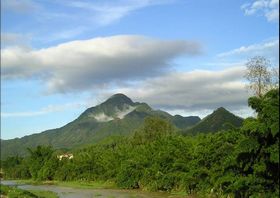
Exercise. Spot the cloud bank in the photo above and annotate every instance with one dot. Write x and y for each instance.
(192, 91)
(88, 64)
(267, 8)
(107, 12)
(268, 49)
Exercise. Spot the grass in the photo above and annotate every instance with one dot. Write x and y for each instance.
(13, 192)
(45, 194)
(87, 184)
(73, 184)
(180, 193)
(93, 185)
(31, 182)
(134, 196)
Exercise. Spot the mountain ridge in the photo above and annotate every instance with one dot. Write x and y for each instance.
(118, 115)
(219, 119)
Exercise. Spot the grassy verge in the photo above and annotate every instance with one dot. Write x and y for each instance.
(84, 185)
(87, 184)
(13, 192)
(73, 184)
(91, 185)
(179, 193)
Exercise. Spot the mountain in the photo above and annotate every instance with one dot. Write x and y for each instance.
(185, 122)
(220, 119)
(118, 115)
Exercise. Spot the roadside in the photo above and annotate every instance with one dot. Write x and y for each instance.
(14, 192)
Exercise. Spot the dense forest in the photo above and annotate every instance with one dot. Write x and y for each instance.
(238, 162)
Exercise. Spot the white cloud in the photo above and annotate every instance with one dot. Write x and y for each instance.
(87, 64)
(71, 18)
(107, 12)
(197, 92)
(122, 113)
(269, 49)
(43, 111)
(102, 117)
(267, 8)
(192, 91)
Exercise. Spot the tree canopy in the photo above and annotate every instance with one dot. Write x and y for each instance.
(238, 163)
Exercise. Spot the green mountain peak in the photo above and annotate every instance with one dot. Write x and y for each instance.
(221, 109)
(220, 119)
(117, 106)
(118, 99)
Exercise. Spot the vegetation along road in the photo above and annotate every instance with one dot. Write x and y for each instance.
(54, 191)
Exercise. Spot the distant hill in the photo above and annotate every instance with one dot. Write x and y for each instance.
(185, 122)
(220, 119)
(118, 115)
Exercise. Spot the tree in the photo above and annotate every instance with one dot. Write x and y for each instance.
(153, 129)
(37, 158)
(259, 74)
(257, 151)
(275, 78)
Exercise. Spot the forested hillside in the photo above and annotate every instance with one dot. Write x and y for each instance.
(220, 119)
(118, 115)
(234, 163)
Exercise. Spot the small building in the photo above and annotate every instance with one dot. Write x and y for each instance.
(66, 156)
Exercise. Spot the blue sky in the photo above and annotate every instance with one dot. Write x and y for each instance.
(59, 57)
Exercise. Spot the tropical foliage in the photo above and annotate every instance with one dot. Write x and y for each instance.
(238, 162)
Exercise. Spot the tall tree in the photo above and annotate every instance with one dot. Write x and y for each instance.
(37, 158)
(257, 151)
(259, 75)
